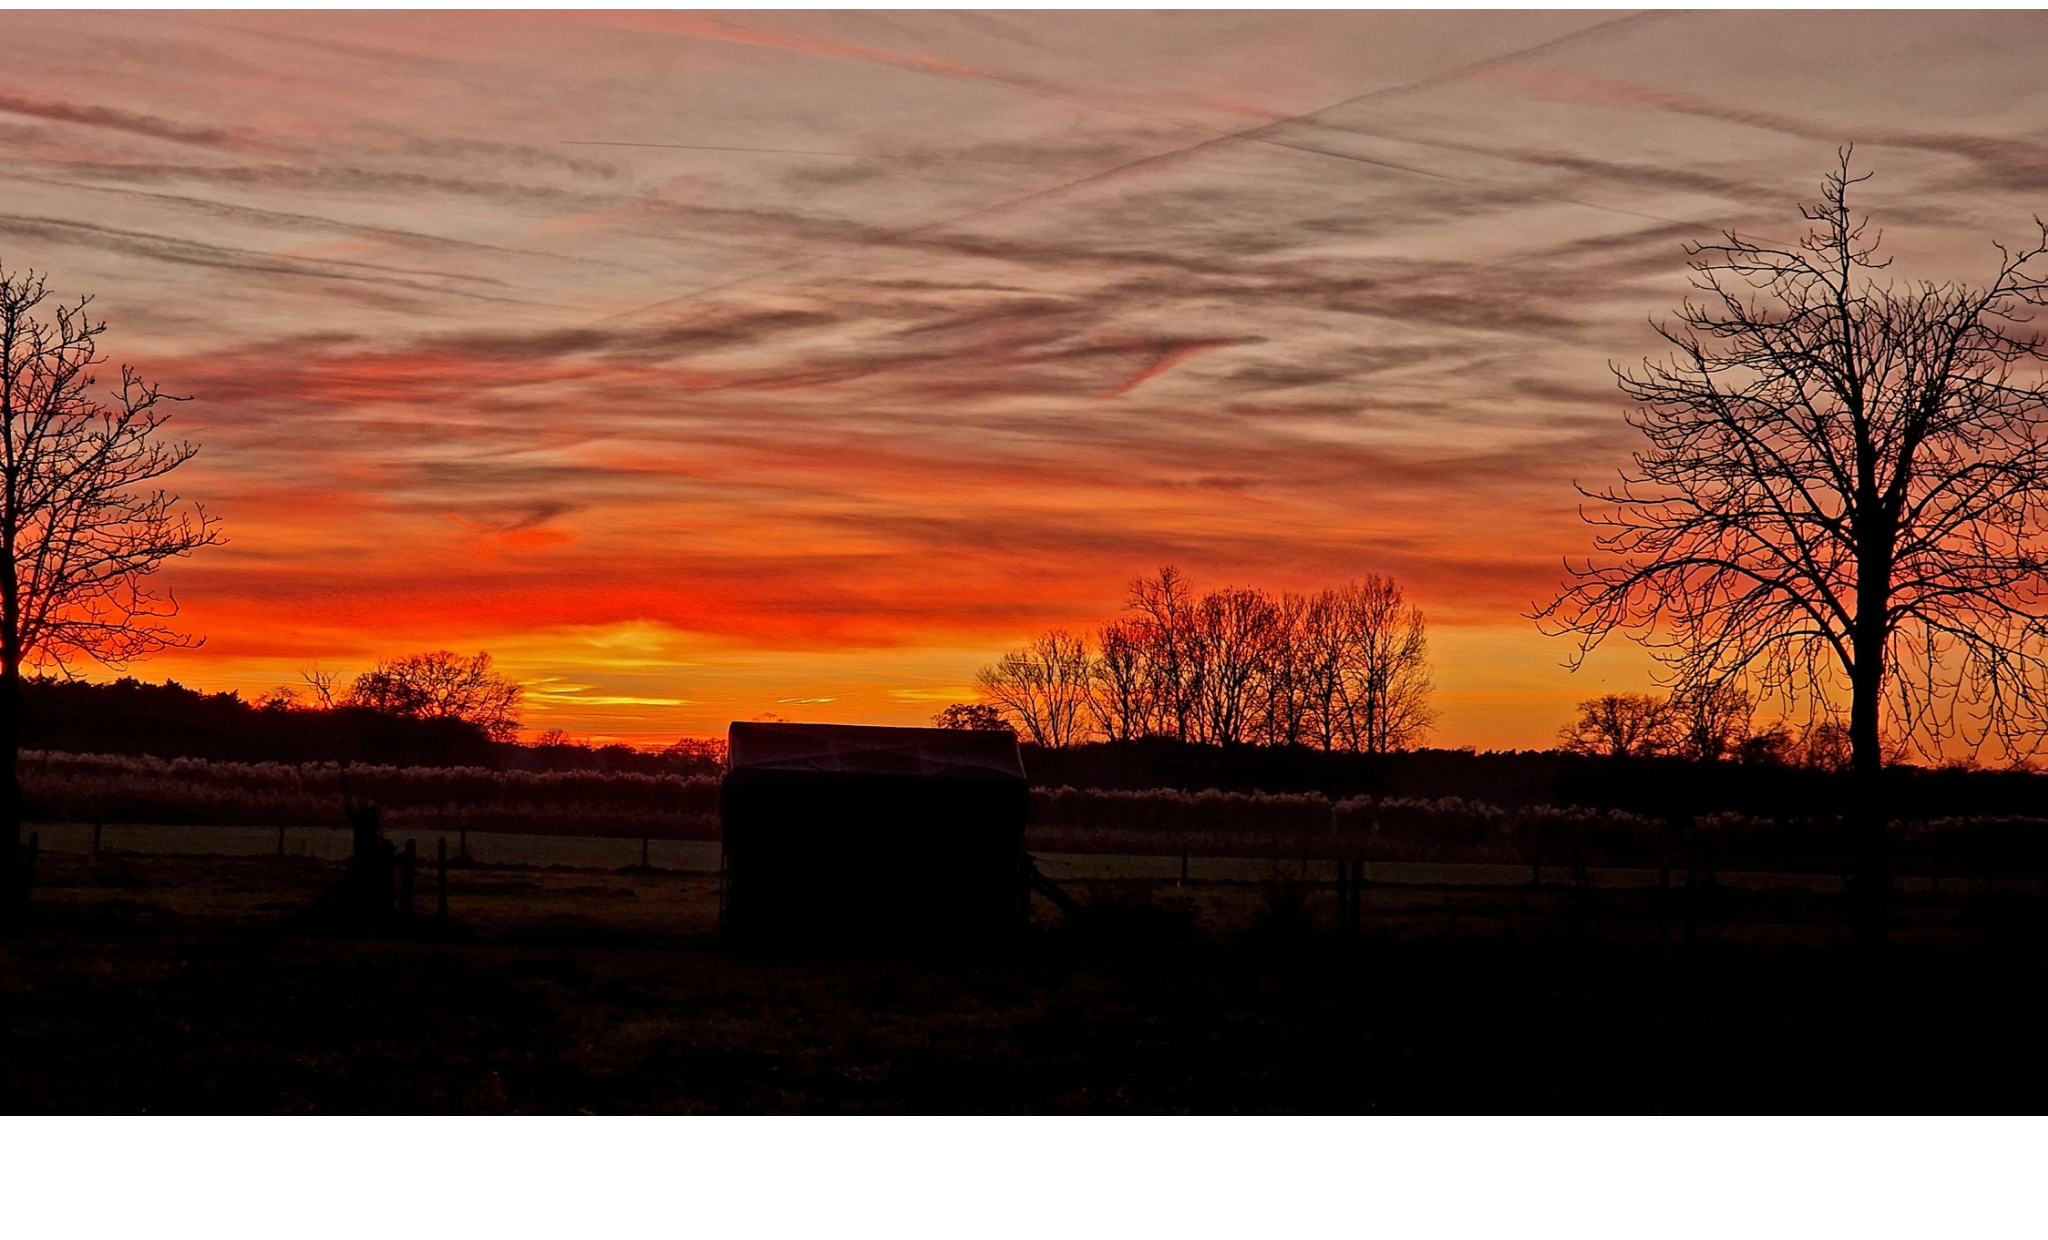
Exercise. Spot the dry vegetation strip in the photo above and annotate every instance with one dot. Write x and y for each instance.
(422, 800)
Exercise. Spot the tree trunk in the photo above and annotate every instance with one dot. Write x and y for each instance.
(1869, 842)
(16, 894)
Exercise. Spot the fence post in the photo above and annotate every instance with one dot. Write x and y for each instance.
(1664, 904)
(280, 839)
(96, 839)
(1692, 916)
(1357, 892)
(441, 880)
(1343, 895)
(465, 845)
(412, 856)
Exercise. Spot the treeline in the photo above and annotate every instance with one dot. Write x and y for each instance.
(1711, 725)
(169, 720)
(1340, 669)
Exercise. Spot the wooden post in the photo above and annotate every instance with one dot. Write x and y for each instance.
(441, 879)
(465, 845)
(96, 839)
(280, 839)
(412, 856)
(1664, 904)
(1343, 896)
(1692, 916)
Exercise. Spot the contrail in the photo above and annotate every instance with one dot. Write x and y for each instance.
(784, 150)
(1261, 134)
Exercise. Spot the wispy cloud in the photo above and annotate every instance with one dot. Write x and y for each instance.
(811, 358)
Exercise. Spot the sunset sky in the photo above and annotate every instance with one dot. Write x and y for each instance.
(704, 367)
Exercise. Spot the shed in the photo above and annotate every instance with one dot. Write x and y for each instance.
(833, 831)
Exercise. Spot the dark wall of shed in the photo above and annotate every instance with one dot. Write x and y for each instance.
(816, 855)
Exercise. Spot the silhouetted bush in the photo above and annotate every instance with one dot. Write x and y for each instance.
(132, 717)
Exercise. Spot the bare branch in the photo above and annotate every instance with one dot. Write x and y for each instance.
(1843, 492)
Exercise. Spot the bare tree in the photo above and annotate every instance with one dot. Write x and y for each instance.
(1713, 722)
(1345, 668)
(1122, 700)
(1290, 674)
(83, 521)
(1237, 631)
(322, 683)
(1621, 725)
(1324, 649)
(1165, 612)
(1042, 688)
(442, 685)
(1386, 682)
(1844, 489)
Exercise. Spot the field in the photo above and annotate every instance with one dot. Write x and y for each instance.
(180, 982)
(425, 802)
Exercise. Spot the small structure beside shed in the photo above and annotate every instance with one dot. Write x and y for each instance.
(833, 831)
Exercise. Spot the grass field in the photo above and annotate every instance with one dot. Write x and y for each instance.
(178, 983)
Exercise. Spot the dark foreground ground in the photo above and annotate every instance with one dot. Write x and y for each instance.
(183, 985)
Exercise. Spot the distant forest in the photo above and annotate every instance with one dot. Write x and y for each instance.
(171, 721)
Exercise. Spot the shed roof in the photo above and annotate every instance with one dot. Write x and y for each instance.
(948, 752)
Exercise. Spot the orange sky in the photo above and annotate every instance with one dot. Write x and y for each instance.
(706, 367)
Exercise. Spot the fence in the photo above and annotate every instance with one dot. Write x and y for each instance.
(420, 800)
(1160, 822)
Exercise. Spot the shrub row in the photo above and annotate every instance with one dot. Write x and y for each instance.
(118, 788)
(1453, 829)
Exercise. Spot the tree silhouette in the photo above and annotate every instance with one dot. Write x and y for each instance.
(1344, 668)
(1843, 488)
(83, 524)
(1713, 722)
(1385, 680)
(1621, 725)
(971, 717)
(1237, 632)
(1123, 697)
(1166, 620)
(1043, 688)
(442, 685)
